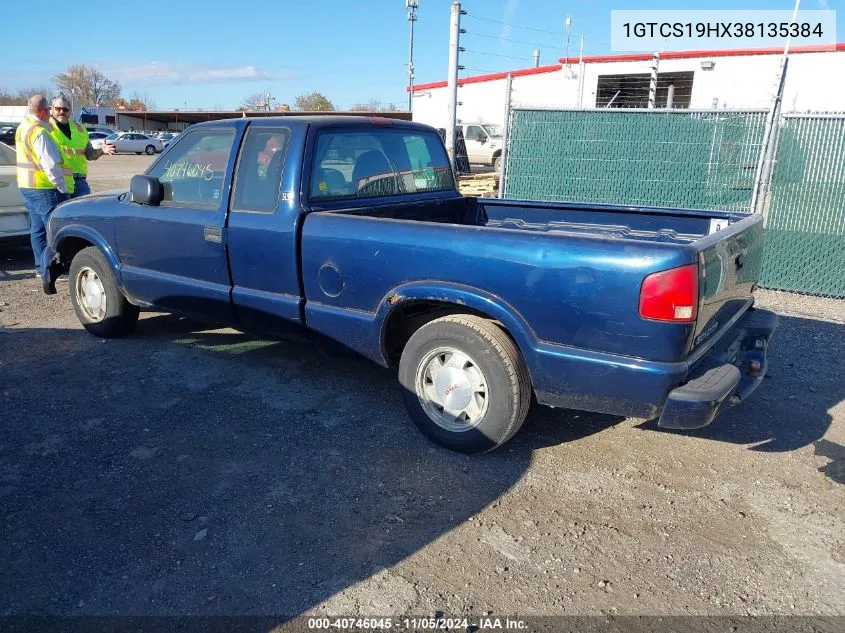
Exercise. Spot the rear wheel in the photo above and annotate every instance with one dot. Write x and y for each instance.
(149, 150)
(97, 301)
(465, 383)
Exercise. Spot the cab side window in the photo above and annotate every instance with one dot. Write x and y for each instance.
(473, 131)
(195, 169)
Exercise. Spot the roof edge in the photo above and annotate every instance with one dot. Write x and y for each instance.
(634, 57)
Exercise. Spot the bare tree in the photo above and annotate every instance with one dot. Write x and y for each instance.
(255, 102)
(313, 102)
(374, 105)
(87, 86)
(141, 101)
(22, 96)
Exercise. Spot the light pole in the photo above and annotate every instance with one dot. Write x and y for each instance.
(412, 6)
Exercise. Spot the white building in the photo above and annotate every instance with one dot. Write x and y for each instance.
(736, 79)
(12, 114)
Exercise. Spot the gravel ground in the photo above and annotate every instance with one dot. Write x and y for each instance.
(194, 470)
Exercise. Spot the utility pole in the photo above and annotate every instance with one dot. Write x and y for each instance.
(412, 6)
(454, 51)
(581, 73)
(652, 85)
(568, 24)
(767, 155)
(506, 133)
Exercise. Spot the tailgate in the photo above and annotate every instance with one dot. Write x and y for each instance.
(730, 261)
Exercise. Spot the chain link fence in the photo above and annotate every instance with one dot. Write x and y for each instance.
(805, 214)
(697, 159)
(668, 158)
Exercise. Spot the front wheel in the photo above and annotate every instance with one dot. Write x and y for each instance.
(465, 383)
(97, 301)
(497, 163)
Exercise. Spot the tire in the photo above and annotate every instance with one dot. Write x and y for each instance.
(92, 281)
(149, 150)
(460, 359)
(497, 163)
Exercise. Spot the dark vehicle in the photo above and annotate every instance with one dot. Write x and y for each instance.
(7, 134)
(351, 231)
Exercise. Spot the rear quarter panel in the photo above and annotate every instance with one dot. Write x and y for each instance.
(568, 290)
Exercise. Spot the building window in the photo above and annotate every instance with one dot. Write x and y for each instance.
(631, 91)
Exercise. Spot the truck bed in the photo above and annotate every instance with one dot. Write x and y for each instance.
(678, 226)
(573, 270)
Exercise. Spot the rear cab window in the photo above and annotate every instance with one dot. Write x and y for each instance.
(259, 172)
(366, 163)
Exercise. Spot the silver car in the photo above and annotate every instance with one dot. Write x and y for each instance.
(14, 219)
(134, 142)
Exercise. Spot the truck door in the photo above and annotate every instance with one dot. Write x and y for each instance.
(174, 255)
(262, 231)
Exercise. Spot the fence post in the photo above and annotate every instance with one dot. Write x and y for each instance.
(506, 136)
(767, 151)
(652, 84)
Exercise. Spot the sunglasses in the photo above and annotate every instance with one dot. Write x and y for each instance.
(61, 109)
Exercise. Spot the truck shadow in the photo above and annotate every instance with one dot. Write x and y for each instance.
(191, 471)
(16, 258)
(790, 410)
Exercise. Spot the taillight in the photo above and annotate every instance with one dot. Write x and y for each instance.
(671, 295)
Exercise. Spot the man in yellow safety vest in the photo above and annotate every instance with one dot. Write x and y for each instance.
(72, 139)
(43, 178)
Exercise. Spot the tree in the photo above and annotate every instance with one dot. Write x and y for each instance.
(87, 86)
(374, 105)
(255, 102)
(282, 107)
(140, 102)
(313, 102)
(22, 96)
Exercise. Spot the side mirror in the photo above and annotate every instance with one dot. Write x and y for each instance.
(481, 138)
(146, 190)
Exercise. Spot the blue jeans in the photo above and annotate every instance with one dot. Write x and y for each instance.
(82, 188)
(40, 204)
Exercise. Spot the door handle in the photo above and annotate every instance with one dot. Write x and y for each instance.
(4, 183)
(213, 234)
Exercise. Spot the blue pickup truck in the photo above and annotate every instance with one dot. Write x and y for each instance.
(351, 230)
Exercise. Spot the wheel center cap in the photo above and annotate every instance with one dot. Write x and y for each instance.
(452, 388)
(92, 295)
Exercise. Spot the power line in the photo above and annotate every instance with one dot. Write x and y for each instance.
(524, 59)
(481, 70)
(515, 26)
(505, 39)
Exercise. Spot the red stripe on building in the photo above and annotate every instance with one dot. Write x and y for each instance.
(637, 57)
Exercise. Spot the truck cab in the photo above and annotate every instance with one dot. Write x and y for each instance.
(484, 143)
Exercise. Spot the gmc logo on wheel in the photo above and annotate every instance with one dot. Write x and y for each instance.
(450, 389)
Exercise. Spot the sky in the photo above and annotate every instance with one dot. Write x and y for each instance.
(188, 54)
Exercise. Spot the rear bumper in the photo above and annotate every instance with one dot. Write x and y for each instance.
(731, 371)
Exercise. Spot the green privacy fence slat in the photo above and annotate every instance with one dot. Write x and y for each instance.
(703, 160)
(805, 221)
(671, 158)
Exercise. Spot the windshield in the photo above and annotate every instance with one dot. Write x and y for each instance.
(492, 129)
(112, 137)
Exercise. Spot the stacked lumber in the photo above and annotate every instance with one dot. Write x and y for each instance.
(479, 185)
